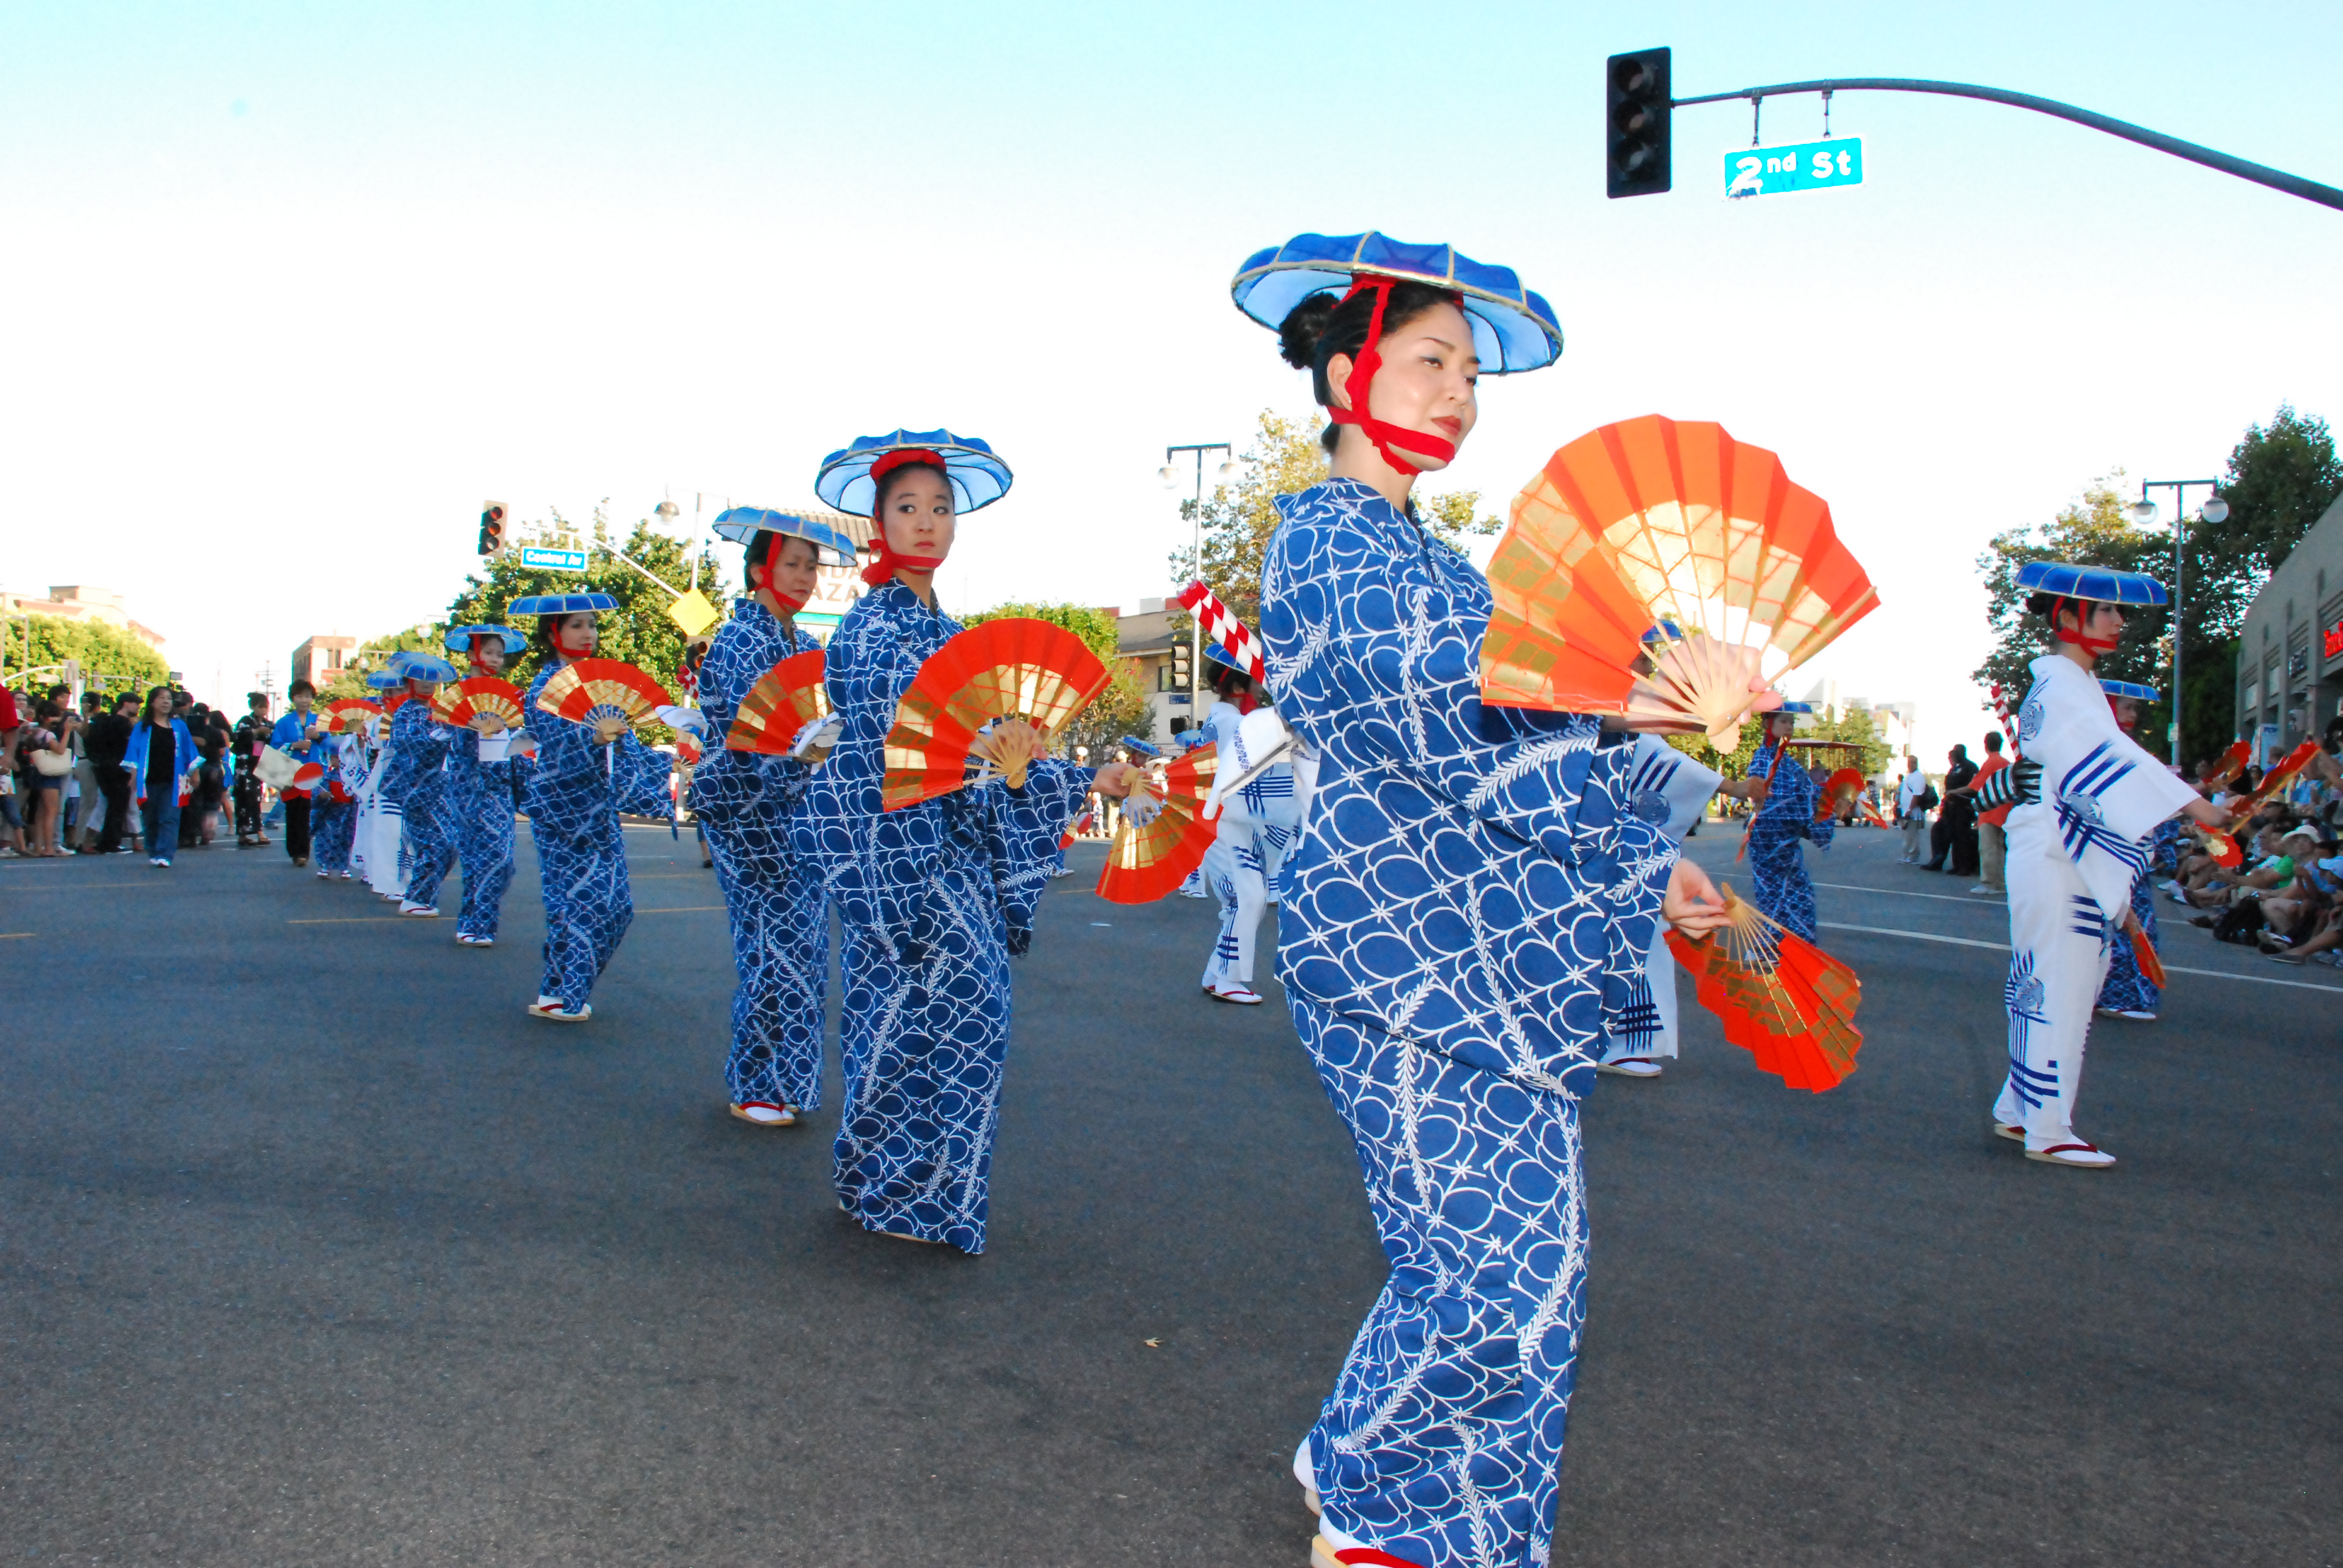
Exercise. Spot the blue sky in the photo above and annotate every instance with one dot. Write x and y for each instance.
(297, 286)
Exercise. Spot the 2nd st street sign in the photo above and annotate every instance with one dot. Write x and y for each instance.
(1804, 166)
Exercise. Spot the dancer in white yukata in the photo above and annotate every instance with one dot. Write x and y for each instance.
(1668, 790)
(1255, 827)
(2086, 799)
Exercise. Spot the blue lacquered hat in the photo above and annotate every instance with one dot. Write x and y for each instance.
(1137, 747)
(1512, 329)
(2103, 585)
(460, 637)
(412, 666)
(561, 604)
(1215, 654)
(978, 477)
(1666, 629)
(385, 680)
(2129, 689)
(743, 524)
(1795, 707)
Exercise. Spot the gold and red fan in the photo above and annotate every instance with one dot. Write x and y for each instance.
(1837, 790)
(593, 690)
(2144, 953)
(481, 696)
(687, 748)
(347, 715)
(392, 701)
(1008, 669)
(1656, 523)
(785, 700)
(2282, 772)
(1147, 859)
(1780, 998)
(2223, 849)
(2231, 763)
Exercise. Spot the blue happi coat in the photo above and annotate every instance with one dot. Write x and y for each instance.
(934, 898)
(574, 792)
(481, 812)
(416, 783)
(781, 927)
(1465, 922)
(1776, 865)
(333, 824)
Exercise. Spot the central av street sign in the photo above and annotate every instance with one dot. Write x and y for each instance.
(1806, 167)
(552, 560)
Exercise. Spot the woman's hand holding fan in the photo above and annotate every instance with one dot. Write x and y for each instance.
(1780, 998)
(1011, 747)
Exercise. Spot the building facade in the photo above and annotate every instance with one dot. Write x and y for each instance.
(78, 601)
(2290, 648)
(320, 658)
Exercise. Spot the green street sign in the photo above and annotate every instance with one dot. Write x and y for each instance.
(1804, 166)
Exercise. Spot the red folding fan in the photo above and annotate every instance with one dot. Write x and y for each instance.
(2282, 770)
(785, 700)
(482, 697)
(1148, 859)
(592, 689)
(2142, 952)
(1841, 787)
(1008, 669)
(2223, 849)
(306, 777)
(2231, 763)
(346, 715)
(393, 700)
(1780, 998)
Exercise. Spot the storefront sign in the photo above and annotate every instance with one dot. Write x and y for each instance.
(2333, 640)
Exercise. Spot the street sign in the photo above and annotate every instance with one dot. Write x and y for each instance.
(552, 560)
(1805, 166)
(693, 613)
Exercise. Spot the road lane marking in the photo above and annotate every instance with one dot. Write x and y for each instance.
(2004, 947)
(348, 919)
(1899, 893)
(12, 936)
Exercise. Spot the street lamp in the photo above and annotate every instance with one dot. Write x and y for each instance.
(2143, 512)
(1167, 477)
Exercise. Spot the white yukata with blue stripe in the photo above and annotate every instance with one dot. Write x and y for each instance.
(1670, 790)
(2073, 858)
(1465, 923)
(1256, 827)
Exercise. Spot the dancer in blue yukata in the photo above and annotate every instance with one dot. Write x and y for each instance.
(934, 898)
(1669, 789)
(1465, 919)
(2086, 797)
(1786, 796)
(2127, 993)
(416, 783)
(333, 811)
(580, 777)
(479, 809)
(1252, 832)
(742, 800)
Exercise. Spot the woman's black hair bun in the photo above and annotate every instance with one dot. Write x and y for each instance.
(1305, 324)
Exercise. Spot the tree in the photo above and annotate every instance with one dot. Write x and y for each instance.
(112, 658)
(1122, 707)
(2095, 530)
(1284, 458)
(1854, 727)
(2281, 480)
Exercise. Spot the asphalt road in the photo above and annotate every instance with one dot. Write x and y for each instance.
(315, 1250)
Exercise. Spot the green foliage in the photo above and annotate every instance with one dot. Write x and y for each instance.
(2281, 478)
(2093, 532)
(112, 658)
(1095, 627)
(1853, 726)
(1456, 515)
(638, 631)
(1121, 708)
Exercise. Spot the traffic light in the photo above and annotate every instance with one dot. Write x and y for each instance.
(1183, 673)
(1635, 104)
(492, 528)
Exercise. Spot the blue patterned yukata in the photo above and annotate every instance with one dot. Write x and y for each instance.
(934, 899)
(1777, 867)
(2126, 990)
(780, 926)
(1465, 922)
(480, 810)
(333, 824)
(417, 784)
(575, 790)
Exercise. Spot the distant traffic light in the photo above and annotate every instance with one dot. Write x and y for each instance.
(492, 528)
(1635, 104)
(1182, 674)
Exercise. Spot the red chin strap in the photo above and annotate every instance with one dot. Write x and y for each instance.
(2094, 645)
(1246, 701)
(765, 585)
(479, 666)
(887, 563)
(1360, 385)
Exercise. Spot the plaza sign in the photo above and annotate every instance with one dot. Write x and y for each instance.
(1805, 166)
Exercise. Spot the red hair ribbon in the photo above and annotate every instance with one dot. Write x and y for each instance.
(1360, 385)
(886, 563)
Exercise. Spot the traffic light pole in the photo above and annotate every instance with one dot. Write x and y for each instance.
(2260, 174)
